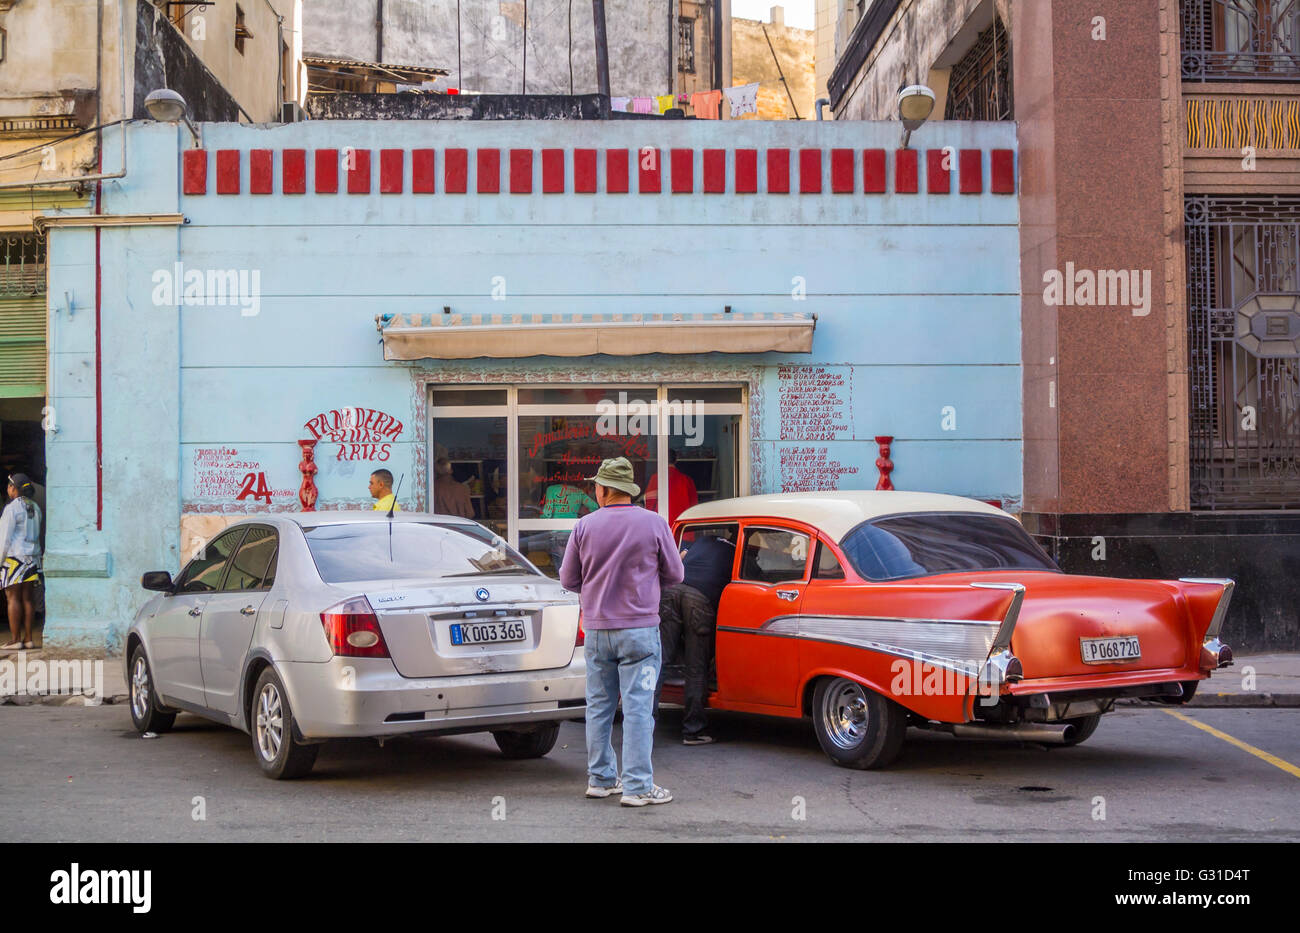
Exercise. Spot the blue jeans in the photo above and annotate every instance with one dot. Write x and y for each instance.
(622, 661)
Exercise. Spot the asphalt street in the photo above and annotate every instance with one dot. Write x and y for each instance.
(75, 774)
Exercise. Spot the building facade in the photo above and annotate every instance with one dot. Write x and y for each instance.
(1160, 243)
(284, 311)
(767, 53)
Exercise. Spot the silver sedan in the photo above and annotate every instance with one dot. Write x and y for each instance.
(304, 627)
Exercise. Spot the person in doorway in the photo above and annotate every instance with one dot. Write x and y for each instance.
(688, 619)
(682, 493)
(381, 490)
(20, 559)
(617, 560)
(450, 496)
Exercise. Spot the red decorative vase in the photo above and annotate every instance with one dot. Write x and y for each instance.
(307, 492)
(883, 463)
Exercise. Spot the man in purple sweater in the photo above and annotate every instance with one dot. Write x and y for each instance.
(616, 559)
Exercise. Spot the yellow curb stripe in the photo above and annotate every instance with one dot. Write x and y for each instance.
(1244, 746)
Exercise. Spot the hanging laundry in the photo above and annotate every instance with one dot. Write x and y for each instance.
(743, 99)
(664, 103)
(619, 103)
(642, 105)
(706, 103)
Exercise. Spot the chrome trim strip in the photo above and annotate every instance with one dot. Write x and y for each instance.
(1220, 611)
(1002, 642)
(890, 650)
(953, 646)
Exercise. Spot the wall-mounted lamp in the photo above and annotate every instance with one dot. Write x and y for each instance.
(915, 104)
(166, 106)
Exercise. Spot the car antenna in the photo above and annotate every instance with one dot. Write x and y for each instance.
(390, 516)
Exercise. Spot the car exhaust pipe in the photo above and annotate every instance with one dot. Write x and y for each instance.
(1045, 733)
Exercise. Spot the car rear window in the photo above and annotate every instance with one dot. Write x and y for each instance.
(345, 553)
(900, 546)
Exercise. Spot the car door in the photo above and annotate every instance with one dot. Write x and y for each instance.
(755, 665)
(230, 616)
(174, 631)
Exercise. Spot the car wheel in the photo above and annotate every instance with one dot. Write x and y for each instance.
(1084, 726)
(856, 727)
(279, 756)
(146, 712)
(528, 744)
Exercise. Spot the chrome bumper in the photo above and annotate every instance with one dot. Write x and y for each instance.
(361, 697)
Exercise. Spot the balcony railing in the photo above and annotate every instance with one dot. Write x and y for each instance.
(1241, 40)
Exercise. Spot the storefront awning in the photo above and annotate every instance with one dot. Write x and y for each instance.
(508, 336)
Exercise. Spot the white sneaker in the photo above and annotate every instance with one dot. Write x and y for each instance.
(657, 794)
(595, 791)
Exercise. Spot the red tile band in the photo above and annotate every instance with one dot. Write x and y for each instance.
(327, 171)
(259, 171)
(487, 171)
(455, 167)
(553, 171)
(746, 171)
(194, 171)
(227, 171)
(778, 171)
(649, 171)
(873, 171)
(970, 177)
(810, 171)
(423, 163)
(392, 165)
(715, 171)
(905, 171)
(683, 165)
(938, 176)
(585, 172)
(293, 171)
(842, 171)
(521, 171)
(1002, 164)
(357, 163)
(616, 171)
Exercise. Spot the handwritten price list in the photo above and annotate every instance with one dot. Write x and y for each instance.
(809, 468)
(815, 403)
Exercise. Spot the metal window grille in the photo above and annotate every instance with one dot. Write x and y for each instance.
(22, 265)
(1241, 40)
(980, 85)
(1243, 267)
(686, 45)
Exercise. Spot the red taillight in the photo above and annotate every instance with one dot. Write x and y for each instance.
(582, 636)
(353, 631)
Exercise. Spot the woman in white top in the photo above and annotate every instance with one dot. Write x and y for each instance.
(20, 559)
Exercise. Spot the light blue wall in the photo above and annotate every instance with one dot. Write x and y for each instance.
(916, 298)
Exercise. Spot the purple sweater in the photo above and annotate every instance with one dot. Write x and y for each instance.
(617, 558)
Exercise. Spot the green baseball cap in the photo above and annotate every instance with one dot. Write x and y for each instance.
(616, 473)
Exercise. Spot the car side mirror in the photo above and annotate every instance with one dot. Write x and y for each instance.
(157, 580)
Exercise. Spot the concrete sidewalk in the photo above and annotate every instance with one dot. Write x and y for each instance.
(1254, 681)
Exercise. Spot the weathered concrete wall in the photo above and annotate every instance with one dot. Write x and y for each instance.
(164, 59)
(903, 332)
(752, 61)
(922, 41)
(456, 107)
(487, 54)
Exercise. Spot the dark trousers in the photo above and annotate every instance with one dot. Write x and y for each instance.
(687, 623)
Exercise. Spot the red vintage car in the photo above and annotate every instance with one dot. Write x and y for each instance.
(875, 611)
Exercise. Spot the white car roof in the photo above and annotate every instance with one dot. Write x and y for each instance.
(834, 513)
